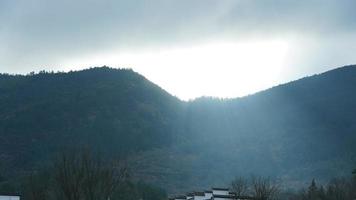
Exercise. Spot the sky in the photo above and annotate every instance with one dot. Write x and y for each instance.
(191, 48)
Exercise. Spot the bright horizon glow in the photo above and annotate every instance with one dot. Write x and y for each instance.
(219, 69)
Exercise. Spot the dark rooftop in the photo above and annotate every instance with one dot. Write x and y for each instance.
(224, 196)
(199, 193)
(224, 189)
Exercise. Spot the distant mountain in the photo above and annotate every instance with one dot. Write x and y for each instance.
(295, 131)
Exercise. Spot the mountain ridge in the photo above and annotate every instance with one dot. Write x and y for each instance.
(289, 129)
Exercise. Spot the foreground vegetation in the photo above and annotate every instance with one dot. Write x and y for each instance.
(336, 189)
(262, 188)
(81, 176)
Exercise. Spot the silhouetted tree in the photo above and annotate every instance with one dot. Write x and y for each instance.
(312, 193)
(80, 176)
(240, 186)
(100, 180)
(264, 188)
(37, 186)
(321, 193)
(69, 176)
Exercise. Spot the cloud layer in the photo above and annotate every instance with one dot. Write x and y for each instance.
(42, 34)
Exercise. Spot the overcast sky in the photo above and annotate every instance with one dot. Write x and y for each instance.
(191, 48)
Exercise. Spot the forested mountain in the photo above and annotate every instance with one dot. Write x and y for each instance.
(114, 111)
(295, 131)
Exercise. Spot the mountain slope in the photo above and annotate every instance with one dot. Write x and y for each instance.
(115, 111)
(295, 131)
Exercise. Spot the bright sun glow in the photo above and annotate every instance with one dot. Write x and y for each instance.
(221, 69)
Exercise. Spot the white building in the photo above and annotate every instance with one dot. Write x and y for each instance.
(199, 196)
(208, 194)
(223, 197)
(178, 198)
(190, 196)
(221, 191)
(214, 194)
(6, 197)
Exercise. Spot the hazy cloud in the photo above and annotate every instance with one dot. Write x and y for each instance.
(42, 33)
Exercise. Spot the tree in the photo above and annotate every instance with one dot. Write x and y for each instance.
(353, 184)
(321, 193)
(36, 186)
(339, 189)
(69, 176)
(312, 191)
(80, 176)
(240, 186)
(264, 188)
(100, 180)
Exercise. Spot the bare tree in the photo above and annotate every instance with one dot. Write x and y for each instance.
(69, 176)
(240, 186)
(101, 179)
(264, 188)
(36, 186)
(339, 189)
(79, 176)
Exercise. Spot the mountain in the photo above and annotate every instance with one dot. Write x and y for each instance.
(296, 131)
(114, 111)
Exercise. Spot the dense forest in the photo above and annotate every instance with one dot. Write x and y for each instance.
(294, 132)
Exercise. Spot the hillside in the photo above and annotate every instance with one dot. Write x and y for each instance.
(295, 131)
(112, 111)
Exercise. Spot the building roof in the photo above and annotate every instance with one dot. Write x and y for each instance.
(244, 197)
(230, 195)
(222, 189)
(180, 197)
(199, 193)
(190, 194)
(223, 196)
